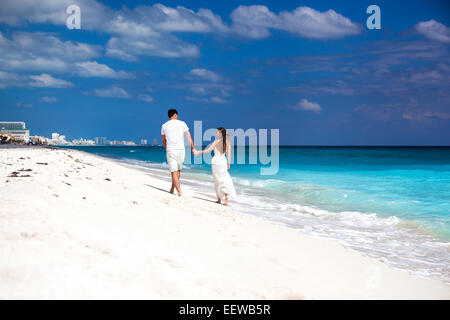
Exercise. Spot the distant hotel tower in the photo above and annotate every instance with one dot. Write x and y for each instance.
(101, 141)
(15, 129)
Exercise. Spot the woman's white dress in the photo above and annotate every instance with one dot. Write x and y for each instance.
(222, 180)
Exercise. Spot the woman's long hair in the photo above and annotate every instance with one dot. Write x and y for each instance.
(224, 138)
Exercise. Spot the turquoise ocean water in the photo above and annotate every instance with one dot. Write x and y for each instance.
(391, 203)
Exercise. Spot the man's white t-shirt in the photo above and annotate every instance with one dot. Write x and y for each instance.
(174, 131)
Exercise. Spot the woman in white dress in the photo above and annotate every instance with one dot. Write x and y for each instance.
(220, 164)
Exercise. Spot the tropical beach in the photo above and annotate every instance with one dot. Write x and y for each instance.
(192, 150)
(76, 225)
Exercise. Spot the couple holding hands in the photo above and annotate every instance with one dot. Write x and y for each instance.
(173, 132)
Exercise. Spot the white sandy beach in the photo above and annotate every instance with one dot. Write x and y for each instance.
(74, 225)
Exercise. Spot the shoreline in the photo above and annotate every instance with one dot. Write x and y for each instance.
(414, 231)
(69, 232)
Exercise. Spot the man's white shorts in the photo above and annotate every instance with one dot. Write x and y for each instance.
(175, 159)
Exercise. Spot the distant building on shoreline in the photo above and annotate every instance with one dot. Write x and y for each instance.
(15, 129)
(82, 142)
(128, 143)
(16, 132)
(115, 143)
(58, 139)
(101, 141)
(144, 142)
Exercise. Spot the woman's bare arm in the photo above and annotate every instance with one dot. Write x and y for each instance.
(229, 154)
(210, 148)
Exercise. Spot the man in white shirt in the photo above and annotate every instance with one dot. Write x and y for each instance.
(173, 132)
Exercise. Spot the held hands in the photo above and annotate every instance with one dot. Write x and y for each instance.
(195, 152)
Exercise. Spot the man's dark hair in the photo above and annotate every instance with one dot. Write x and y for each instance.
(171, 112)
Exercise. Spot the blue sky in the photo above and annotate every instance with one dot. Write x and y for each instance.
(310, 68)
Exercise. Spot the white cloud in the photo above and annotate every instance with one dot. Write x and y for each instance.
(255, 21)
(146, 98)
(46, 80)
(434, 30)
(149, 30)
(205, 74)
(338, 87)
(439, 115)
(181, 19)
(196, 99)
(218, 100)
(36, 64)
(424, 116)
(224, 92)
(212, 87)
(142, 20)
(198, 90)
(49, 99)
(19, 12)
(111, 92)
(24, 105)
(127, 27)
(207, 100)
(307, 105)
(145, 30)
(421, 77)
(40, 51)
(407, 116)
(43, 52)
(168, 46)
(13, 12)
(95, 69)
(4, 75)
(209, 86)
(10, 79)
(43, 80)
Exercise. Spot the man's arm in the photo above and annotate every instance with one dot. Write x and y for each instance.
(164, 141)
(188, 136)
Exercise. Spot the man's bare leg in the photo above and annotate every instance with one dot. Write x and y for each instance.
(176, 181)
